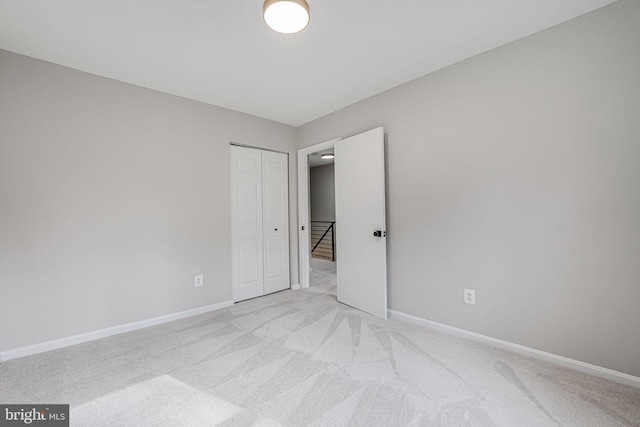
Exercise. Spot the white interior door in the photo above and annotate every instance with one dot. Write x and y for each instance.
(246, 228)
(260, 222)
(275, 211)
(360, 212)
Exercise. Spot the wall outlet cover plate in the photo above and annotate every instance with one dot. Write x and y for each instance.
(199, 281)
(469, 296)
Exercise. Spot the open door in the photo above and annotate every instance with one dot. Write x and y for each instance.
(360, 222)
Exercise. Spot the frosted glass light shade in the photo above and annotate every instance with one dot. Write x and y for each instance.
(286, 16)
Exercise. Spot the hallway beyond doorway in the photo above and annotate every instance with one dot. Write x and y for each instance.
(323, 272)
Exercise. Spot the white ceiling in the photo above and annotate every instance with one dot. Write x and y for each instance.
(220, 52)
(315, 159)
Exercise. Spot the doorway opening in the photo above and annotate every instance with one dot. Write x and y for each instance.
(304, 210)
(322, 220)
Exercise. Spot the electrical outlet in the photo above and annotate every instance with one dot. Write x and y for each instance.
(199, 281)
(469, 296)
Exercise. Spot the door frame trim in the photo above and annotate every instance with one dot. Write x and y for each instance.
(304, 250)
(256, 147)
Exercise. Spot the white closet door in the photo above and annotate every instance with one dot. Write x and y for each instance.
(260, 222)
(275, 214)
(246, 216)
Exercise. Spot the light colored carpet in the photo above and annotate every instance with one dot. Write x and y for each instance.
(300, 358)
(323, 272)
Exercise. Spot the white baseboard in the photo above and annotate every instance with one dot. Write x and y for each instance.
(295, 287)
(588, 368)
(107, 332)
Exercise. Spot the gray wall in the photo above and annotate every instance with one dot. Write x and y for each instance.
(322, 193)
(517, 173)
(112, 197)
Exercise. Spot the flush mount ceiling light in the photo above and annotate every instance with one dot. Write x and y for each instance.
(328, 156)
(286, 16)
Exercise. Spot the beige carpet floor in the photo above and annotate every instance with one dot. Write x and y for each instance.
(300, 358)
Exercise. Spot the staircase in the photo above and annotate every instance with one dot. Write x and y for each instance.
(323, 240)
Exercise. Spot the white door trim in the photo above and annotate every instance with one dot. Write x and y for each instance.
(304, 251)
(235, 144)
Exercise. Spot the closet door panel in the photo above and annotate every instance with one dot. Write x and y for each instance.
(246, 230)
(275, 210)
